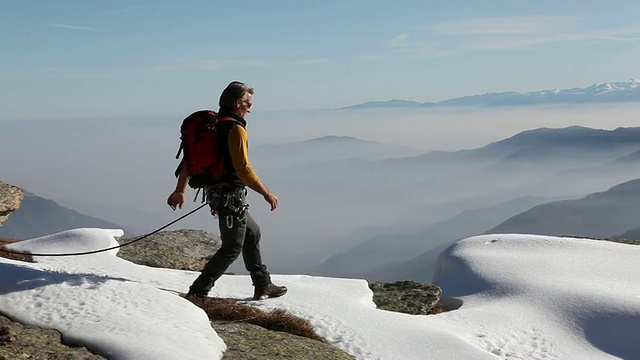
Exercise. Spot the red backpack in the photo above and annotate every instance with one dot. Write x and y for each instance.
(202, 159)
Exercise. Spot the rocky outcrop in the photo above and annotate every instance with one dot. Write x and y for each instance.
(18, 341)
(410, 297)
(10, 199)
(251, 342)
(178, 249)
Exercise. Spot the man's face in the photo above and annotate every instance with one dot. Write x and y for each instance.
(243, 107)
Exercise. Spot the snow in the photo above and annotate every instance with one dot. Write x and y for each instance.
(519, 297)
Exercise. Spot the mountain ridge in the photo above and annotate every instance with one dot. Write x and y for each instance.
(609, 92)
(562, 163)
(602, 214)
(38, 216)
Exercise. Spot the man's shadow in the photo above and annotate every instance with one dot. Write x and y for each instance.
(16, 278)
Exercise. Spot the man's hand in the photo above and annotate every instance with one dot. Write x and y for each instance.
(176, 199)
(272, 199)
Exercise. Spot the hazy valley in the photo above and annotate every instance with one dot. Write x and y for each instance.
(367, 192)
(346, 213)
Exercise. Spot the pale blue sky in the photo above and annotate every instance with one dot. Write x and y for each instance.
(102, 59)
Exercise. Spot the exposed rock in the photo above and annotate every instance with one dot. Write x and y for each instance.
(408, 297)
(19, 341)
(10, 199)
(251, 342)
(178, 249)
(7, 253)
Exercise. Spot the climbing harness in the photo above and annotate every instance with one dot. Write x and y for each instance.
(228, 203)
(107, 249)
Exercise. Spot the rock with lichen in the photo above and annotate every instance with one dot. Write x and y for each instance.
(178, 249)
(410, 297)
(10, 200)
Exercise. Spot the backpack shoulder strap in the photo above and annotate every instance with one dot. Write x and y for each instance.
(228, 122)
(227, 118)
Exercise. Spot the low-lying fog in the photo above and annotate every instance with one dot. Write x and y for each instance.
(334, 192)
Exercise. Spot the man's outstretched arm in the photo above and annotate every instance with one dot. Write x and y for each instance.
(176, 199)
(238, 149)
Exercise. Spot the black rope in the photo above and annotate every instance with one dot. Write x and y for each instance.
(2, 249)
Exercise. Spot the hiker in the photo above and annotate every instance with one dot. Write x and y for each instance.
(227, 198)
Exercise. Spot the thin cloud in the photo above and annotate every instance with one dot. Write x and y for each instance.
(450, 38)
(400, 39)
(404, 43)
(522, 32)
(529, 41)
(621, 38)
(513, 25)
(72, 27)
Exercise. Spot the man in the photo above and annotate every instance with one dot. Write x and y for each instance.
(238, 230)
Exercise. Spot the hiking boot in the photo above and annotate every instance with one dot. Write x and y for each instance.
(269, 291)
(195, 296)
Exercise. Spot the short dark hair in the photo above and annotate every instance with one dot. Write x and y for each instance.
(235, 91)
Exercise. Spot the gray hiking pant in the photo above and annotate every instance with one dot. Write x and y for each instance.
(239, 234)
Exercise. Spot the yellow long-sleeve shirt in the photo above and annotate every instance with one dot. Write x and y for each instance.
(238, 149)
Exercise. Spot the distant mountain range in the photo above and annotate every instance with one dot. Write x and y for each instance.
(627, 91)
(38, 216)
(604, 214)
(542, 181)
(327, 148)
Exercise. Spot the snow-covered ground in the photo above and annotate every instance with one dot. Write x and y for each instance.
(521, 297)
